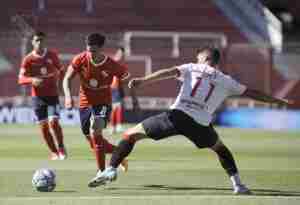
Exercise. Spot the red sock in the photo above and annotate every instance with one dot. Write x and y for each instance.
(119, 115)
(113, 118)
(109, 148)
(99, 150)
(44, 127)
(55, 126)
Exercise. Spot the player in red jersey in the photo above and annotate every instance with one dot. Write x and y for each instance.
(41, 69)
(116, 116)
(96, 72)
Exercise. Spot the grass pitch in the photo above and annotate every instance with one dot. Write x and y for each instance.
(171, 171)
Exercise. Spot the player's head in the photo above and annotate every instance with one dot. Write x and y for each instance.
(94, 42)
(209, 55)
(38, 40)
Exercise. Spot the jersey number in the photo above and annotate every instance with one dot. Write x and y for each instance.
(196, 86)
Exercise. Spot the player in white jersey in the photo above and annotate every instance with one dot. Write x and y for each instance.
(203, 90)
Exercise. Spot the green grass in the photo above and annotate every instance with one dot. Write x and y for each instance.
(171, 171)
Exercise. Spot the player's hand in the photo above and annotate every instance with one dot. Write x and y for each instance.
(69, 103)
(135, 82)
(36, 82)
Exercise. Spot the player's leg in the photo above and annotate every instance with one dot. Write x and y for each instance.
(228, 163)
(91, 128)
(53, 113)
(113, 120)
(207, 137)
(85, 114)
(41, 115)
(156, 127)
(98, 121)
(119, 117)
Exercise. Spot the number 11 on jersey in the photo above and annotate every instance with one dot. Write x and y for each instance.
(209, 92)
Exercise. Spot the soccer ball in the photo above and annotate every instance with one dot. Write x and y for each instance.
(43, 180)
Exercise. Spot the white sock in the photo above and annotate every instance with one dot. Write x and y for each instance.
(235, 179)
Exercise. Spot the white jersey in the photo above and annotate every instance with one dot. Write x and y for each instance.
(203, 90)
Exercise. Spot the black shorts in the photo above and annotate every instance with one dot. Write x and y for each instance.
(176, 122)
(45, 107)
(100, 111)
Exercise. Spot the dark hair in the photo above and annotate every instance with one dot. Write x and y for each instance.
(95, 39)
(39, 34)
(214, 52)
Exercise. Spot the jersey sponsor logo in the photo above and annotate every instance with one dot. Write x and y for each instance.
(43, 71)
(93, 83)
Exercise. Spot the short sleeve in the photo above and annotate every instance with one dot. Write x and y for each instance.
(182, 70)
(56, 61)
(76, 62)
(25, 67)
(235, 88)
(120, 71)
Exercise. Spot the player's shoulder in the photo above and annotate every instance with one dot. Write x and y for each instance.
(29, 57)
(52, 52)
(80, 57)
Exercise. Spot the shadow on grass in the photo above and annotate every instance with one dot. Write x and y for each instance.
(65, 191)
(256, 192)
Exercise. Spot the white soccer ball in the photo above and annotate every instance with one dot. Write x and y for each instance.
(44, 180)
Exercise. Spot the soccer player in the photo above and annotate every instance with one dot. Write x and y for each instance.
(116, 116)
(203, 90)
(41, 69)
(96, 72)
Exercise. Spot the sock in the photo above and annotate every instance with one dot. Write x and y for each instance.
(235, 179)
(109, 148)
(227, 161)
(113, 119)
(55, 126)
(99, 151)
(44, 127)
(121, 152)
(119, 115)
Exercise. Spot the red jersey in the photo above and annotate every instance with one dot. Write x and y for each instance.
(95, 80)
(47, 67)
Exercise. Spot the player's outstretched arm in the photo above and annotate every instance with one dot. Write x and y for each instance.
(153, 77)
(67, 86)
(258, 95)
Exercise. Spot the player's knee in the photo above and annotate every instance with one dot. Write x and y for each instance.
(218, 146)
(44, 126)
(135, 134)
(96, 126)
(54, 123)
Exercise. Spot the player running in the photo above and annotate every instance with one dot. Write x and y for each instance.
(116, 116)
(204, 88)
(96, 72)
(41, 69)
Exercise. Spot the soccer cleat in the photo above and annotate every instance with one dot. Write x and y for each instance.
(54, 156)
(108, 175)
(124, 165)
(241, 189)
(62, 153)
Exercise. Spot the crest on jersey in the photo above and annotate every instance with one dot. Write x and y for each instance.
(43, 70)
(93, 82)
